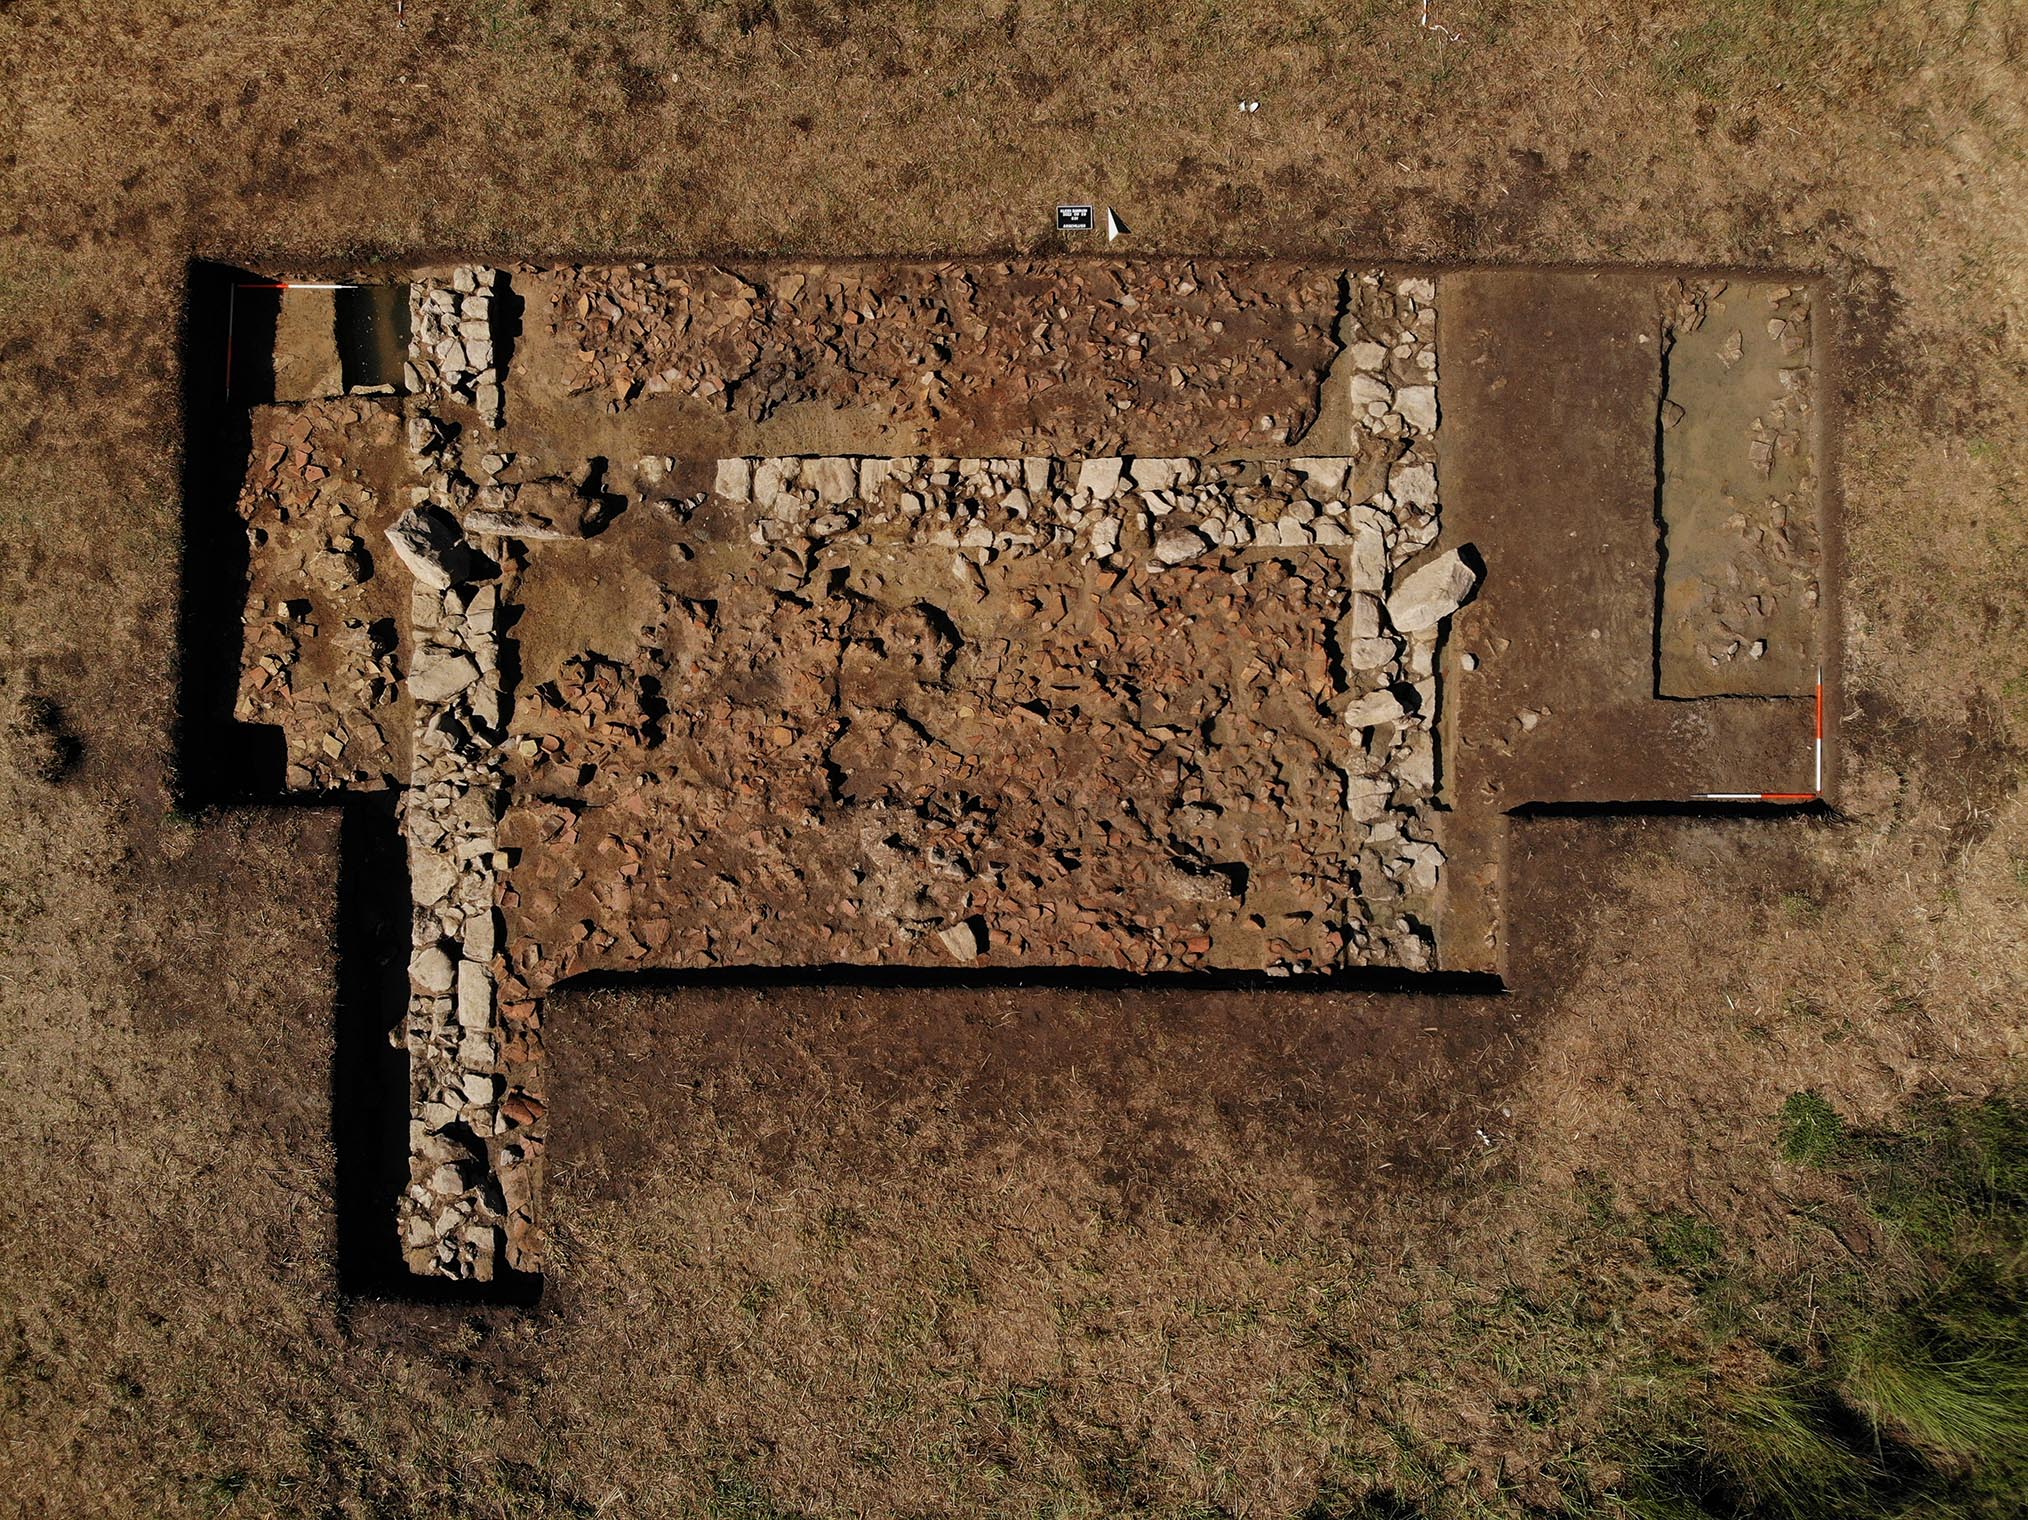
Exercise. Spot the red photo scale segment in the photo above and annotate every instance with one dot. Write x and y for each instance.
(1817, 779)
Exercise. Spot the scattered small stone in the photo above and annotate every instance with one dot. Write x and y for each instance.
(426, 540)
(441, 677)
(431, 970)
(507, 524)
(1418, 407)
(963, 941)
(1100, 478)
(1431, 593)
(1375, 708)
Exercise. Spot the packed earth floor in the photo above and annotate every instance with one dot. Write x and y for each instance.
(1114, 617)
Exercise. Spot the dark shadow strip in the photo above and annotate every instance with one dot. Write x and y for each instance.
(1815, 808)
(217, 759)
(1073, 979)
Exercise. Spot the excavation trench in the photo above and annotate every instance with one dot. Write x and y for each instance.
(915, 626)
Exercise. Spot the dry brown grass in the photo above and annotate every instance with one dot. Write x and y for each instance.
(964, 1319)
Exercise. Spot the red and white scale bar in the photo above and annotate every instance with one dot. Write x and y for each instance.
(232, 306)
(1817, 780)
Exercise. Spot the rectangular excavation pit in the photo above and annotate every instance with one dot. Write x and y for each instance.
(1032, 617)
(1741, 542)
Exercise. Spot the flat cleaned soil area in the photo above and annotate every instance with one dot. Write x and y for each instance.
(1016, 1251)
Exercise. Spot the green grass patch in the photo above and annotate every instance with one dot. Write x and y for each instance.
(1954, 1181)
(1812, 1131)
(1764, 1450)
(1738, 48)
(736, 1496)
(1684, 1243)
(1949, 1375)
(1892, 1403)
(1798, 909)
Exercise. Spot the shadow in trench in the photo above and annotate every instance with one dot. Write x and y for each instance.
(369, 1078)
(228, 368)
(1069, 979)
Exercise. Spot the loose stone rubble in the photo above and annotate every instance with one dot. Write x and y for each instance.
(953, 560)
(320, 658)
(1061, 355)
(454, 347)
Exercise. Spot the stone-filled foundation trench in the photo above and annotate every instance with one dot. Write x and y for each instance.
(1111, 633)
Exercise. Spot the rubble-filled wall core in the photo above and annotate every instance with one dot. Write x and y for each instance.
(450, 814)
(1140, 716)
(1106, 628)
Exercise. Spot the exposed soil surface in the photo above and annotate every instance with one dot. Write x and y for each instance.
(1741, 511)
(307, 364)
(1375, 1091)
